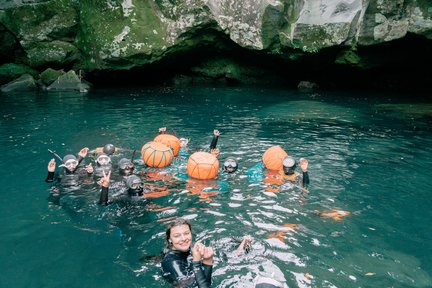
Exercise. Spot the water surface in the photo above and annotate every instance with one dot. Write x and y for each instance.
(369, 154)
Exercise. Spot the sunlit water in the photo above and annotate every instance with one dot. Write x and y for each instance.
(368, 154)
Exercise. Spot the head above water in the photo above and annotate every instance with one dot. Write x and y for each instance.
(135, 185)
(70, 162)
(103, 159)
(109, 149)
(289, 164)
(230, 165)
(126, 167)
(183, 142)
(179, 234)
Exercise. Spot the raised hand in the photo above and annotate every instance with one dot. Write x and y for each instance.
(51, 165)
(83, 152)
(105, 180)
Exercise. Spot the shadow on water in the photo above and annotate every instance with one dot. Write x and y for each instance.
(368, 154)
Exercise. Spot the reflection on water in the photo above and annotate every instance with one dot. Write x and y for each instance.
(363, 223)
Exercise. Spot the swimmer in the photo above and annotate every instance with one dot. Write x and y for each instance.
(134, 184)
(176, 265)
(230, 165)
(70, 164)
(289, 173)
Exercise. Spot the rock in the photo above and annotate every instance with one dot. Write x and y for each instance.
(48, 76)
(69, 82)
(24, 83)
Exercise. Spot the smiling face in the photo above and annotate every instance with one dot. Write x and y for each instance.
(181, 237)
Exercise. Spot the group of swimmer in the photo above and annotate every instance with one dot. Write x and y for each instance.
(159, 153)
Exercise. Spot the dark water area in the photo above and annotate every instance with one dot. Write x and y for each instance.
(369, 154)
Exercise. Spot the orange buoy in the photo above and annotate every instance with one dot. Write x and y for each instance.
(169, 140)
(272, 158)
(202, 165)
(156, 154)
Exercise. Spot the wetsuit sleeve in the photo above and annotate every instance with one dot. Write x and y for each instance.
(214, 142)
(305, 179)
(50, 177)
(80, 159)
(202, 274)
(103, 200)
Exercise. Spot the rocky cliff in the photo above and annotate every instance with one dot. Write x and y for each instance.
(215, 39)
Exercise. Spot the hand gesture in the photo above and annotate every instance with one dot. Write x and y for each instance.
(216, 132)
(304, 164)
(89, 168)
(83, 152)
(51, 165)
(105, 180)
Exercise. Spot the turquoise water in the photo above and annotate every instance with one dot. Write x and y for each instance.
(369, 155)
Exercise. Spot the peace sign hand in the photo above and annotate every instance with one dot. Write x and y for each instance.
(105, 180)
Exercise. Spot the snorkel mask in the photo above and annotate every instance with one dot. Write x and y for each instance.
(183, 142)
(103, 159)
(70, 163)
(135, 185)
(126, 167)
(230, 165)
(289, 165)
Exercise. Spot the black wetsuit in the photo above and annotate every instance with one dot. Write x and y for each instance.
(305, 179)
(184, 272)
(214, 142)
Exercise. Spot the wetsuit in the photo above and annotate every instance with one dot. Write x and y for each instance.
(214, 142)
(180, 270)
(51, 175)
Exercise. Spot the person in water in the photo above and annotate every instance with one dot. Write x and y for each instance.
(177, 265)
(70, 163)
(230, 163)
(134, 187)
(289, 171)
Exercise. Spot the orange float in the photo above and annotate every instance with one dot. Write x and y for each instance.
(169, 140)
(156, 154)
(202, 165)
(272, 158)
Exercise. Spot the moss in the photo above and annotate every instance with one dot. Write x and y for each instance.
(54, 53)
(11, 71)
(40, 22)
(140, 32)
(50, 75)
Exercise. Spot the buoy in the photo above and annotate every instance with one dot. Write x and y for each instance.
(169, 140)
(202, 165)
(272, 158)
(156, 154)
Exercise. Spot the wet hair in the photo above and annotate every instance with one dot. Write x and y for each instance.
(175, 223)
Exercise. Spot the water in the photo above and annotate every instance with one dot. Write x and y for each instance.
(368, 154)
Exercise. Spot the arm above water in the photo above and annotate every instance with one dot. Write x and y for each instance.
(216, 135)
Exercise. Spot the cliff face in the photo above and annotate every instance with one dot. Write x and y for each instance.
(120, 35)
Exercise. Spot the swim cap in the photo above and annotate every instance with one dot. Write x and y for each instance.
(125, 166)
(230, 165)
(102, 159)
(289, 165)
(109, 149)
